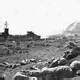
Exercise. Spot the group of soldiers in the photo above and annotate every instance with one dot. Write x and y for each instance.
(58, 69)
(64, 68)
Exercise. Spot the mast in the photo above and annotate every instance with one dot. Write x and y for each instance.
(6, 24)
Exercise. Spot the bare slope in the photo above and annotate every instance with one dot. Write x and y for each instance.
(73, 29)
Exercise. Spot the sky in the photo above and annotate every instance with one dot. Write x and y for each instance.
(43, 17)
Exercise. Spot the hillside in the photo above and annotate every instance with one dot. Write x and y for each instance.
(73, 29)
(15, 52)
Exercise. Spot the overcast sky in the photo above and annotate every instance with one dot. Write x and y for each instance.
(44, 17)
